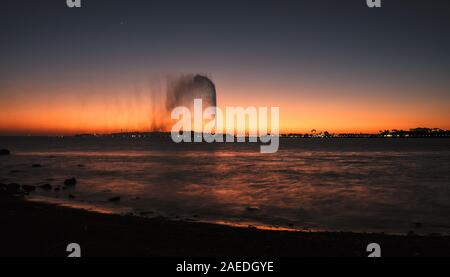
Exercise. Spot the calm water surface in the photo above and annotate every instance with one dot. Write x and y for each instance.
(360, 185)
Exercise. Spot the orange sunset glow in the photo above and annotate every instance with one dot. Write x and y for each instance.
(112, 77)
(125, 110)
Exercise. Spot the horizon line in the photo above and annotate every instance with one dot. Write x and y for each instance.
(311, 133)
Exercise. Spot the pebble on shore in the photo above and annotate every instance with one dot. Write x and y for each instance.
(70, 182)
(4, 152)
(46, 187)
(11, 190)
(28, 188)
(114, 199)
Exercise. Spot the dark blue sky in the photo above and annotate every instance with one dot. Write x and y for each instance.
(368, 53)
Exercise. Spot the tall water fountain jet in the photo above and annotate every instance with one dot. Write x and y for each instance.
(182, 91)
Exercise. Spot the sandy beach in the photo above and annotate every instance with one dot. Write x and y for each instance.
(35, 229)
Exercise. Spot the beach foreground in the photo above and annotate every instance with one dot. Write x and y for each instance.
(36, 229)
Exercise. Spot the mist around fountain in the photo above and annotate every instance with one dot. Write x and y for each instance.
(179, 91)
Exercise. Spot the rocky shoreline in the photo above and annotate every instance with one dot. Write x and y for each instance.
(44, 230)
